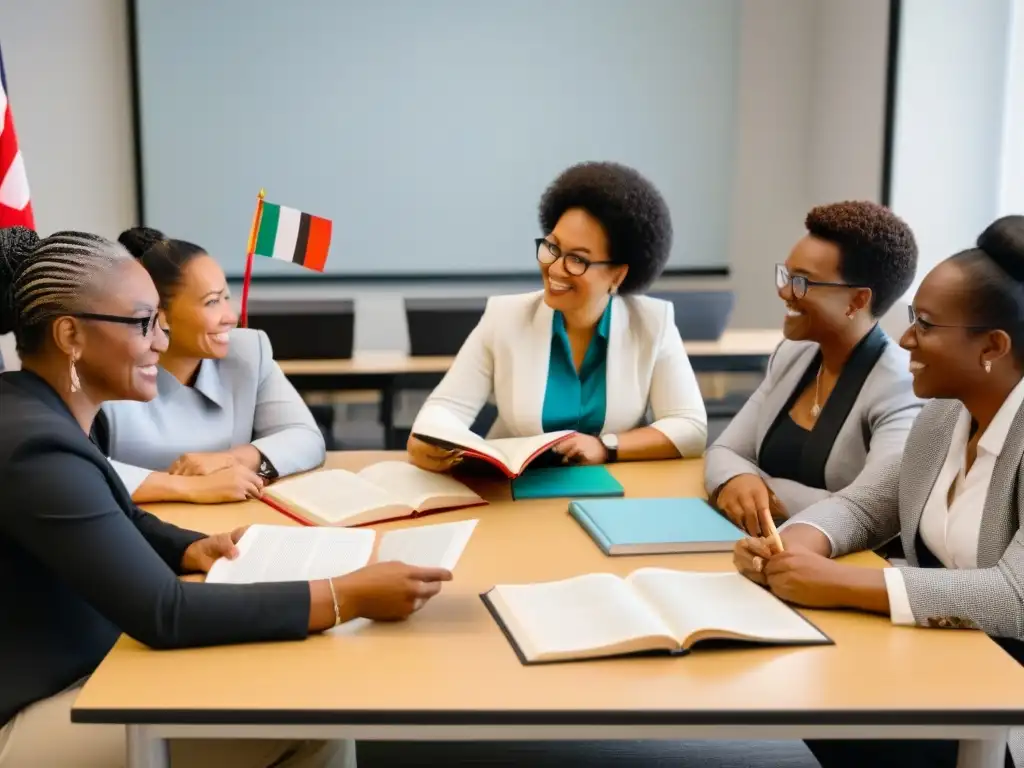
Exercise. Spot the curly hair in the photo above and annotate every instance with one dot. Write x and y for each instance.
(634, 215)
(877, 249)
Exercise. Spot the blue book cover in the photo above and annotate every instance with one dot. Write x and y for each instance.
(568, 482)
(655, 526)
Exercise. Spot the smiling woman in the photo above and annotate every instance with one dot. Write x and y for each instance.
(836, 404)
(588, 353)
(226, 418)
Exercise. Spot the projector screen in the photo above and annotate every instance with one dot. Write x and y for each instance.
(428, 129)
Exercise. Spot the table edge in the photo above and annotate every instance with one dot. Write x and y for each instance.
(482, 718)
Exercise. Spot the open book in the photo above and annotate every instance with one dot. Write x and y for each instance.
(509, 454)
(291, 553)
(651, 610)
(384, 491)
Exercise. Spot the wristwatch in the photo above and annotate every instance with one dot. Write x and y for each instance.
(611, 444)
(266, 469)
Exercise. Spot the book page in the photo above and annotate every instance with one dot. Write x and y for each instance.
(700, 606)
(437, 423)
(428, 546)
(592, 615)
(293, 553)
(417, 488)
(518, 450)
(337, 497)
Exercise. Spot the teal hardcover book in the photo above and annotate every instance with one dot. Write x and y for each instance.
(569, 482)
(655, 526)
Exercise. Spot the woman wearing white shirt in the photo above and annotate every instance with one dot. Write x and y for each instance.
(587, 353)
(957, 497)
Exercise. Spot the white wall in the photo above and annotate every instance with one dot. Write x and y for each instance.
(1011, 197)
(947, 154)
(810, 106)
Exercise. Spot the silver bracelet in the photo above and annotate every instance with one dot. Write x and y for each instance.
(334, 598)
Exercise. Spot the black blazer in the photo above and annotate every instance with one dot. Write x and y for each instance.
(80, 563)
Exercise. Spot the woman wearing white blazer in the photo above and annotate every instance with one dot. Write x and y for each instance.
(586, 353)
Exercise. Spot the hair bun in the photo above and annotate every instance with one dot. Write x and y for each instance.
(138, 240)
(16, 244)
(1003, 242)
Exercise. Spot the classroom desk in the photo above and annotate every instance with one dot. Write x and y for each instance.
(738, 351)
(449, 673)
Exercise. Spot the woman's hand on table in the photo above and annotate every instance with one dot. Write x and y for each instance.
(233, 483)
(202, 554)
(750, 555)
(191, 464)
(432, 458)
(582, 449)
(389, 591)
(745, 499)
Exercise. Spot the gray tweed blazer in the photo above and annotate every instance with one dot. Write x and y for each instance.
(990, 597)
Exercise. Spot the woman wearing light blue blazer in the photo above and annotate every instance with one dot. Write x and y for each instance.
(226, 419)
(836, 402)
(587, 353)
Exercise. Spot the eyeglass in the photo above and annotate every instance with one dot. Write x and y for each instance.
(144, 323)
(576, 265)
(800, 283)
(919, 323)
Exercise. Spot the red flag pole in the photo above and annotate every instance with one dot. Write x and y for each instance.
(248, 259)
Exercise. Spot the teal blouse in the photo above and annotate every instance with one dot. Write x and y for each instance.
(576, 400)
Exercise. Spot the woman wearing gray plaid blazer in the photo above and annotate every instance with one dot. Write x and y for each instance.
(957, 497)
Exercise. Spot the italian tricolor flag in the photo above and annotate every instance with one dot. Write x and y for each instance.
(291, 235)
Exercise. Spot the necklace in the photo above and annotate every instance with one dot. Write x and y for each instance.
(816, 409)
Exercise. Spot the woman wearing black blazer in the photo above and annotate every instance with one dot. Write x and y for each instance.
(79, 563)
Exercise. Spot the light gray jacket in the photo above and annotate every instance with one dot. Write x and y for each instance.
(859, 434)
(989, 597)
(243, 398)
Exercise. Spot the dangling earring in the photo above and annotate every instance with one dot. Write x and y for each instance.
(987, 365)
(76, 383)
(613, 290)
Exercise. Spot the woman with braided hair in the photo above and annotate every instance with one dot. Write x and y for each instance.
(80, 563)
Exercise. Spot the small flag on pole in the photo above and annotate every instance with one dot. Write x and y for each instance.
(291, 235)
(286, 234)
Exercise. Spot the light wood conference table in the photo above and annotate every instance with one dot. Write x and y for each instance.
(448, 673)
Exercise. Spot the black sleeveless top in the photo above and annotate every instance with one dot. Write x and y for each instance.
(788, 450)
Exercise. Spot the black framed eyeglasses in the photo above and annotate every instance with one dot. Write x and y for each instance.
(920, 324)
(800, 283)
(145, 324)
(548, 253)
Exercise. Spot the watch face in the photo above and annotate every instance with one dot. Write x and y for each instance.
(610, 441)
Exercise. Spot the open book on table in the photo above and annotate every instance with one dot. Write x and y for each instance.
(511, 455)
(651, 610)
(292, 553)
(384, 491)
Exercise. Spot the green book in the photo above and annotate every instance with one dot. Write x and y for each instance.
(655, 526)
(570, 482)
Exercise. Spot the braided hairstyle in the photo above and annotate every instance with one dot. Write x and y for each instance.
(42, 279)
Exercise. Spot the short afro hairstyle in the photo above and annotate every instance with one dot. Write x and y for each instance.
(634, 215)
(876, 248)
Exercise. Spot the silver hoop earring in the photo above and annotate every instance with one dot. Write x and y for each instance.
(76, 383)
(987, 365)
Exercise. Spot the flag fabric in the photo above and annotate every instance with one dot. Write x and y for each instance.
(288, 234)
(15, 204)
